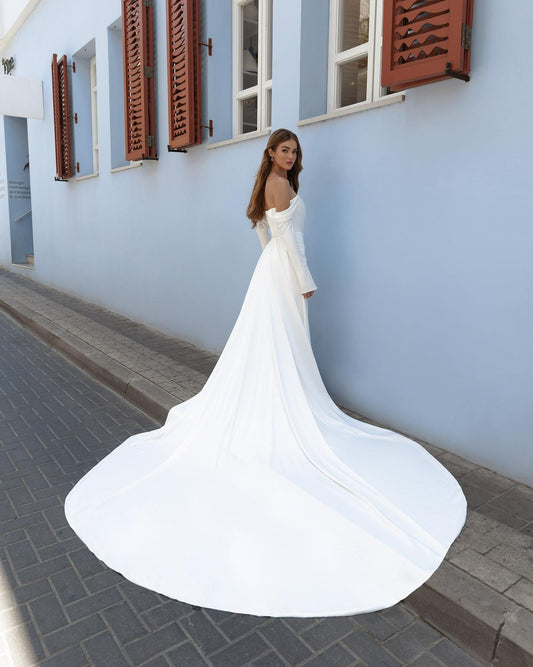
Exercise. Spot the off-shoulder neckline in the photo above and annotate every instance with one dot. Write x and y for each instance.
(285, 209)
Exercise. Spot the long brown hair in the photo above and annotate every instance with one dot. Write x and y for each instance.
(256, 207)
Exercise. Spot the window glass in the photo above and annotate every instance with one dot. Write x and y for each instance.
(250, 43)
(353, 78)
(249, 114)
(354, 23)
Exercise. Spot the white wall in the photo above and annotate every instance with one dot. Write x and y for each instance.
(419, 229)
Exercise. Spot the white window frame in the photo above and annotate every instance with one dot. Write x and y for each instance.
(263, 89)
(371, 49)
(94, 113)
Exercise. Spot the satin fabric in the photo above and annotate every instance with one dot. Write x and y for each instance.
(259, 495)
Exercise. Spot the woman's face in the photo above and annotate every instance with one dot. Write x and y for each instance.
(284, 155)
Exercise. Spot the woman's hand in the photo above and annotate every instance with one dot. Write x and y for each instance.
(306, 295)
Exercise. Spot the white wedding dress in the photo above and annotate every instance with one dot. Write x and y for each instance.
(259, 495)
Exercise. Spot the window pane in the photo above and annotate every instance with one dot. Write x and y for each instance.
(352, 79)
(354, 23)
(250, 44)
(249, 114)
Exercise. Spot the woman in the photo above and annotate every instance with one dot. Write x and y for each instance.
(259, 495)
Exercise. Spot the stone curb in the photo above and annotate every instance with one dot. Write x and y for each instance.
(145, 395)
(488, 625)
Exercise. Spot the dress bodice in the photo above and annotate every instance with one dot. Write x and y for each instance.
(287, 226)
(294, 216)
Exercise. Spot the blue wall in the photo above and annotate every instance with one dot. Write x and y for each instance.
(418, 229)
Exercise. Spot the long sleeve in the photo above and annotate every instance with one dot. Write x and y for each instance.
(294, 243)
(262, 231)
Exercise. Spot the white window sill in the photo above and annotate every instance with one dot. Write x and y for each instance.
(356, 108)
(86, 177)
(237, 140)
(132, 165)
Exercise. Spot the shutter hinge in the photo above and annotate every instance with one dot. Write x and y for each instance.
(148, 72)
(147, 3)
(150, 140)
(466, 37)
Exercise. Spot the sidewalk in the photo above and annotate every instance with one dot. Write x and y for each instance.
(482, 595)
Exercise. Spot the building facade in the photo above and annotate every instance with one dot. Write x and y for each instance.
(418, 229)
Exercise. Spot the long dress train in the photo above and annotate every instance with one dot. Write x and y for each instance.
(259, 495)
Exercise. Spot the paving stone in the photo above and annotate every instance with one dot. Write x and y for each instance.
(522, 592)
(35, 572)
(22, 554)
(475, 496)
(102, 580)
(300, 625)
(93, 603)
(450, 654)
(518, 501)
(34, 589)
(86, 563)
(186, 655)
(72, 657)
(489, 480)
(74, 633)
(334, 656)
(369, 650)
(140, 598)
(103, 650)
(286, 643)
(240, 624)
(68, 586)
(398, 615)
(510, 537)
(166, 613)
(203, 632)
(48, 613)
(269, 660)
(327, 632)
(41, 535)
(241, 653)
(502, 516)
(412, 641)
(376, 625)
(124, 622)
(485, 569)
(427, 660)
(516, 560)
(156, 642)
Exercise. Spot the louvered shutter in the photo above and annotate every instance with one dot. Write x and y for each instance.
(184, 73)
(420, 38)
(138, 57)
(62, 120)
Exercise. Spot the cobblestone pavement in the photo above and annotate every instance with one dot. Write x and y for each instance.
(60, 606)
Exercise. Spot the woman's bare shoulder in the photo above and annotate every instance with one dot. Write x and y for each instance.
(277, 193)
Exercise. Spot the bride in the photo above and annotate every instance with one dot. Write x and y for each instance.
(259, 495)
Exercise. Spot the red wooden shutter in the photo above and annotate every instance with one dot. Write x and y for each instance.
(420, 38)
(184, 73)
(139, 99)
(62, 124)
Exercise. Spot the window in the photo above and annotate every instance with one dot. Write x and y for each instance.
(354, 52)
(252, 65)
(85, 111)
